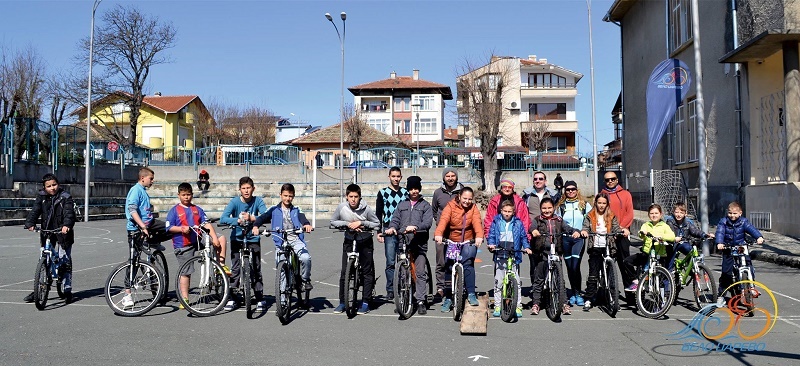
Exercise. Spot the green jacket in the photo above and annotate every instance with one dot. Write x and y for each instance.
(661, 230)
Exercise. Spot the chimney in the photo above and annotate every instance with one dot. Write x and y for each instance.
(415, 74)
(543, 60)
(532, 57)
(392, 75)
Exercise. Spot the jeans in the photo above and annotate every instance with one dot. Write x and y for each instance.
(236, 266)
(390, 246)
(468, 253)
(303, 256)
(64, 258)
(573, 255)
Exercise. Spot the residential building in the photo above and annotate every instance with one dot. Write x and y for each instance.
(325, 141)
(749, 53)
(164, 121)
(407, 107)
(539, 100)
(286, 130)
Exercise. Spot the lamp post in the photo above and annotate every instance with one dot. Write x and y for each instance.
(341, 96)
(416, 107)
(89, 119)
(594, 119)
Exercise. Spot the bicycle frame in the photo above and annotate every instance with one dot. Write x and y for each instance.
(51, 252)
(208, 253)
(456, 262)
(683, 267)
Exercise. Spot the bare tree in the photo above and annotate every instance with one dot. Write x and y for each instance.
(481, 89)
(252, 125)
(22, 85)
(536, 135)
(355, 127)
(126, 46)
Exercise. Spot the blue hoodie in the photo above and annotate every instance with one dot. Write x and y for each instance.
(231, 213)
(518, 233)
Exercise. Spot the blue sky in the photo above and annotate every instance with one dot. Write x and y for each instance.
(284, 55)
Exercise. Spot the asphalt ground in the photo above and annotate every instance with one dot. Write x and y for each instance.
(87, 332)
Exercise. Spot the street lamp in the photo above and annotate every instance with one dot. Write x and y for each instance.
(341, 95)
(416, 107)
(89, 119)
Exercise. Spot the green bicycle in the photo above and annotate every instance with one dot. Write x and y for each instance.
(692, 268)
(510, 291)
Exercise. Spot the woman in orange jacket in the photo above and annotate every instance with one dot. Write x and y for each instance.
(461, 221)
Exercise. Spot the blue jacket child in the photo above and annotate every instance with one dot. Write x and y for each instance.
(518, 234)
(731, 231)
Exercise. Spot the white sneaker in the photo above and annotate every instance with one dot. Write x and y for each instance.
(261, 305)
(230, 305)
(127, 300)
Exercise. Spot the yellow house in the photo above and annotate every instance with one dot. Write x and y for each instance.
(164, 121)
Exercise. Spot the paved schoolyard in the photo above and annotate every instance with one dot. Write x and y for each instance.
(88, 332)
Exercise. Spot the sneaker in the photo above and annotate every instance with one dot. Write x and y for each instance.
(579, 300)
(68, 295)
(632, 287)
(127, 300)
(364, 308)
(472, 299)
(339, 309)
(572, 300)
(230, 305)
(307, 285)
(226, 269)
(496, 312)
(180, 304)
(422, 308)
(29, 298)
(261, 305)
(535, 309)
(447, 304)
(390, 296)
(587, 305)
(566, 310)
(519, 312)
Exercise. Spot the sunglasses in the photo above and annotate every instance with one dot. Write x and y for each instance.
(570, 189)
(610, 179)
(538, 178)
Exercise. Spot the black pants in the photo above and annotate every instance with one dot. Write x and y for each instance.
(203, 185)
(441, 267)
(158, 232)
(365, 261)
(255, 273)
(535, 260)
(624, 251)
(595, 266)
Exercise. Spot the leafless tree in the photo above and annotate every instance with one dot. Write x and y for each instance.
(22, 86)
(253, 125)
(126, 45)
(537, 134)
(355, 127)
(481, 88)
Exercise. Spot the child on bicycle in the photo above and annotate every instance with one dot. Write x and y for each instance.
(684, 229)
(507, 232)
(546, 229)
(355, 215)
(658, 229)
(240, 213)
(415, 216)
(731, 231)
(180, 220)
(57, 210)
(288, 217)
(602, 221)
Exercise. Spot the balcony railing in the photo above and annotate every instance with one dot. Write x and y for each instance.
(548, 86)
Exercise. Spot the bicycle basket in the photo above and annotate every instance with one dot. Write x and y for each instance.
(453, 251)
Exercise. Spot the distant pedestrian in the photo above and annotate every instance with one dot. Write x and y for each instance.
(319, 161)
(559, 183)
(203, 181)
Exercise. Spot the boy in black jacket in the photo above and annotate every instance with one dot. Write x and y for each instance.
(57, 210)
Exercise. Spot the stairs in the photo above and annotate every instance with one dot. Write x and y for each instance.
(106, 201)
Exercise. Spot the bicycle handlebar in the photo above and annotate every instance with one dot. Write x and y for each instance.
(269, 232)
(46, 231)
(348, 229)
(656, 238)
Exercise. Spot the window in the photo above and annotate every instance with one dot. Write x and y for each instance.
(402, 104)
(120, 108)
(557, 144)
(540, 80)
(380, 125)
(426, 102)
(402, 126)
(691, 135)
(426, 126)
(374, 106)
(680, 136)
(547, 111)
(680, 23)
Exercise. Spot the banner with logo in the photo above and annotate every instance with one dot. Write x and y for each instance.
(668, 85)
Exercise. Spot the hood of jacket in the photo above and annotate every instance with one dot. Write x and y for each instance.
(532, 190)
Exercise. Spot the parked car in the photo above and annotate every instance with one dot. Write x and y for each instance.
(368, 164)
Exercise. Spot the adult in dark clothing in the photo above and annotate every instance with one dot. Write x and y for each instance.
(559, 183)
(533, 196)
(57, 211)
(318, 160)
(441, 197)
(202, 181)
(389, 199)
(621, 204)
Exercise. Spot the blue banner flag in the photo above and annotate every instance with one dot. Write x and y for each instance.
(668, 85)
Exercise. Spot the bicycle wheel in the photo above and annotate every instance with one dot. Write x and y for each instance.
(429, 298)
(351, 288)
(208, 287)
(458, 293)
(554, 302)
(747, 289)
(62, 272)
(247, 287)
(655, 293)
(283, 292)
(509, 300)
(41, 283)
(611, 292)
(704, 286)
(141, 298)
(160, 262)
(403, 289)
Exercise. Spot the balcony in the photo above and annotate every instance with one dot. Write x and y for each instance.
(552, 91)
(553, 125)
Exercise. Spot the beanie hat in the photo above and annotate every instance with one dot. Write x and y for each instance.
(414, 182)
(203, 171)
(571, 183)
(449, 170)
(507, 182)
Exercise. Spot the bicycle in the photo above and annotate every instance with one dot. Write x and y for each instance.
(135, 287)
(453, 252)
(209, 289)
(50, 267)
(656, 291)
(352, 280)
(246, 281)
(744, 290)
(692, 268)
(405, 276)
(551, 289)
(510, 291)
(287, 276)
(607, 284)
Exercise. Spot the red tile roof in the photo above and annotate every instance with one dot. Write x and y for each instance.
(403, 82)
(451, 134)
(331, 134)
(170, 103)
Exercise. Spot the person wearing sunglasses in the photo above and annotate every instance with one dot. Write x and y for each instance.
(621, 204)
(533, 196)
(573, 208)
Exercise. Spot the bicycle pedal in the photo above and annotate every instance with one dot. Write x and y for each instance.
(755, 293)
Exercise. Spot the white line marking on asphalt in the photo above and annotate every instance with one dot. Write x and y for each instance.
(262, 257)
(486, 265)
(789, 322)
(327, 284)
(80, 270)
(70, 305)
(786, 296)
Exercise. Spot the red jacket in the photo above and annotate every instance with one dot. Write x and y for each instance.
(520, 211)
(621, 204)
